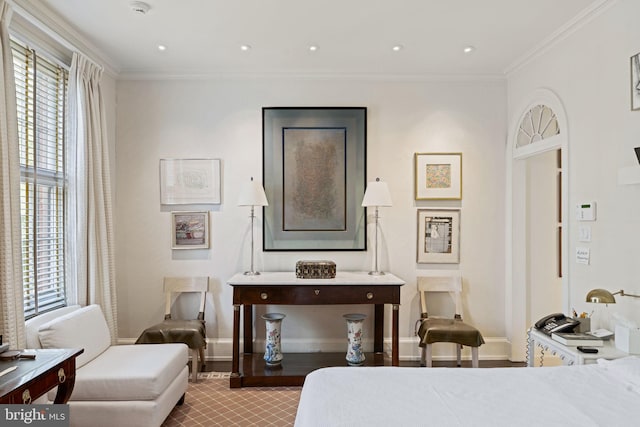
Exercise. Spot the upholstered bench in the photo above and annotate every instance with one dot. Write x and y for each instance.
(121, 385)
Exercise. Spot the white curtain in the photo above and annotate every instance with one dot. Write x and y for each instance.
(11, 298)
(91, 272)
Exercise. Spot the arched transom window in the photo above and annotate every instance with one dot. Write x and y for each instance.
(539, 123)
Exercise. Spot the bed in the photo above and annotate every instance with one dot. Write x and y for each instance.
(602, 394)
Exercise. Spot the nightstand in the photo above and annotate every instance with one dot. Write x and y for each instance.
(568, 354)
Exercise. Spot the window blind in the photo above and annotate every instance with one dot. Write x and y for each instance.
(41, 89)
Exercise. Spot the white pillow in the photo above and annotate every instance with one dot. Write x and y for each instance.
(85, 328)
(32, 326)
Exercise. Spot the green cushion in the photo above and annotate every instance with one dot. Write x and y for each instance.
(434, 330)
(190, 332)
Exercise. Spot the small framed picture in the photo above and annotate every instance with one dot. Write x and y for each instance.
(438, 236)
(635, 82)
(189, 230)
(189, 181)
(438, 176)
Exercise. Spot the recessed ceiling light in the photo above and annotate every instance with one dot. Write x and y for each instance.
(468, 49)
(397, 48)
(245, 47)
(139, 7)
(162, 47)
(313, 48)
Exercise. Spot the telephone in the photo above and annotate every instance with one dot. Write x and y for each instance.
(556, 322)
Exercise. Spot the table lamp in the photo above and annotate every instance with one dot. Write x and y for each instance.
(376, 195)
(253, 195)
(603, 296)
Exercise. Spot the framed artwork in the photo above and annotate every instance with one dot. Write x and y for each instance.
(438, 176)
(189, 181)
(314, 176)
(189, 230)
(635, 82)
(438, 236)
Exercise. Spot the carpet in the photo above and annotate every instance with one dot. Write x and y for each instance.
(210, 402)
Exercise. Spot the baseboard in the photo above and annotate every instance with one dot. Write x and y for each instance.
(494, 348)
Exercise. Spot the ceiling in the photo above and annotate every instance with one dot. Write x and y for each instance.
(352, 36)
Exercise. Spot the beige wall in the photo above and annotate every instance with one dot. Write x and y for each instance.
(587, 68)
(221, 118)
(589, 71)
(545, 287)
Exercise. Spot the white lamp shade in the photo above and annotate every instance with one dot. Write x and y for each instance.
(377, 194)
(252, 194)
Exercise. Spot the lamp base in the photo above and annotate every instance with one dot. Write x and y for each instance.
(251, 273)
(376, 273)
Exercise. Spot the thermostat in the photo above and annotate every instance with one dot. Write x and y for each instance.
(586, 211)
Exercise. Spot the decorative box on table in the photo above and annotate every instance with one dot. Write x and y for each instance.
(315, 269)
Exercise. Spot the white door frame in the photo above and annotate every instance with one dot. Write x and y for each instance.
(517, 316)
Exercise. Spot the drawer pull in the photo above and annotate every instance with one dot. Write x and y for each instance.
(316, 291)
(26, 397)
(263, 295)
(61, 375)
(369, 295)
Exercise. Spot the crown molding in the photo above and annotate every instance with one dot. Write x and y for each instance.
(48, 21)
(289, 75)
(576, 23)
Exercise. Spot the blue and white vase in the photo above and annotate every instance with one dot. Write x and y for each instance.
(273, 353)
(355, 354)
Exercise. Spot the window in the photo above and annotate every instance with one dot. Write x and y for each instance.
(41, 90)
(539, 123)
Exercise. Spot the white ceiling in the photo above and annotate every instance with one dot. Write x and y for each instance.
(354, 36)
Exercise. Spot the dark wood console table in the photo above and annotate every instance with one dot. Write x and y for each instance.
(34, 377)
(284, 288)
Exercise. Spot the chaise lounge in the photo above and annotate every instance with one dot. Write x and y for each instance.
(120, 385)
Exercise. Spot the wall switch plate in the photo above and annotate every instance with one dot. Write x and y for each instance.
(584, 233)
(583, 256)
(586, 211)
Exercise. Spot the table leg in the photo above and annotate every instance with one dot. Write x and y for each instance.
(66, 379)
(235, 363)
(378, 325)
(395, 341)
(248, 328)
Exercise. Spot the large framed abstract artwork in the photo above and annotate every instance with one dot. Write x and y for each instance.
(314, 166)
(438, 236)
(438, 176)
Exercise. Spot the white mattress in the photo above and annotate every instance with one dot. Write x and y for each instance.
(603, 394)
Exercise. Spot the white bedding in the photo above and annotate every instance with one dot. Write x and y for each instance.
(603, 394)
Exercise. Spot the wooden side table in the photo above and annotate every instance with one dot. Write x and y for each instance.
(35, 377)
(569, 355)
(285, 288)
